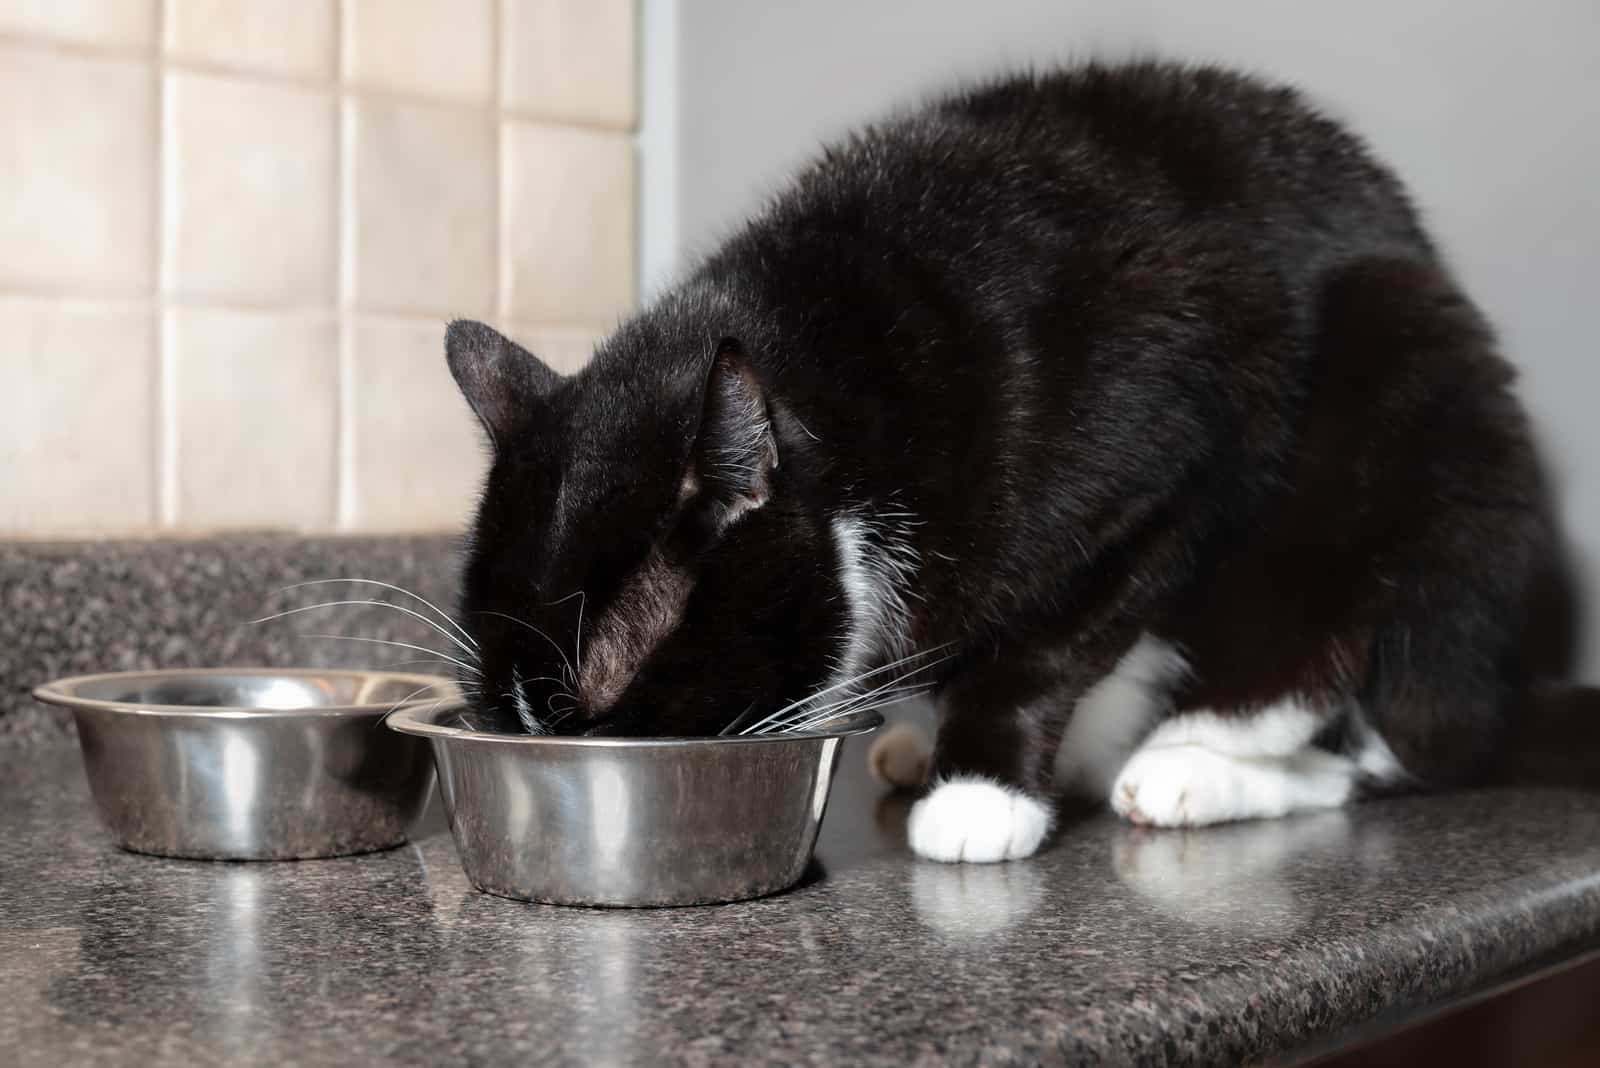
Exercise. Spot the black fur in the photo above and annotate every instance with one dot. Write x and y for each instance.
(1128, 349)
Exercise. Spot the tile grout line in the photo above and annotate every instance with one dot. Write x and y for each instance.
(344, 505)
(168, 307)
(61, 46)
(322, 312)
(144, 298)
(180, 65)
(167, 421)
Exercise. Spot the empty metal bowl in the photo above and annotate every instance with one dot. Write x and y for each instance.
(632, 821)
(251, 763)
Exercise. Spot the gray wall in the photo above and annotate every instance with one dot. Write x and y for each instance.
(1487, 107)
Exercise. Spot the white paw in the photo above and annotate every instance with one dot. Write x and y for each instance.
(978, 821)
(1191, 786)
(899, 756)
(1173, 786)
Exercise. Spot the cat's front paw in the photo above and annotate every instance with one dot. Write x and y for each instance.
(979, 821)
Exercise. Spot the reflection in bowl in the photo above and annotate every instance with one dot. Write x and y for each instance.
(251, 764)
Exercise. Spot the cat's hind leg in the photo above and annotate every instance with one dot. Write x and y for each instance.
(1383, 588)
(899, 756)
(1201, 767)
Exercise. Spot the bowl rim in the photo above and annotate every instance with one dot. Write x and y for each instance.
(59, 692)
(412, 719)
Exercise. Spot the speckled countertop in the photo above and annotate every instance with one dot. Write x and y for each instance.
(1236, 944)
(1114, 946)
(74, 608)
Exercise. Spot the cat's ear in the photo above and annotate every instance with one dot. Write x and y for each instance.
(735, 452)
(503, 382)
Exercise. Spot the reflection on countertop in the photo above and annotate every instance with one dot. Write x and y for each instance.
(1116, 945)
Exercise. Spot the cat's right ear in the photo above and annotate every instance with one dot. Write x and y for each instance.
(503, 382)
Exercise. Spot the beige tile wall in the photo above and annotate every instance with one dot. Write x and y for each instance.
(232, 231)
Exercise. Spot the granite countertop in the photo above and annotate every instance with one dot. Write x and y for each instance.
(81, 607)
(1114, 946)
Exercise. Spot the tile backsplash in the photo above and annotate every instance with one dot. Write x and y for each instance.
(232, 231)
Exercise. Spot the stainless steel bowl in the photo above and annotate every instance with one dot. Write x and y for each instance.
(632, 821)
(251, 764)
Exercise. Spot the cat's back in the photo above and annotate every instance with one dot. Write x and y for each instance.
(1206, 136)
(1075, 150)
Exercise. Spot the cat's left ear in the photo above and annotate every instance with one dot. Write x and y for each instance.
(735, 452)
(503, 382)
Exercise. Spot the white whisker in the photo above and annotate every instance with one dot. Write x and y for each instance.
(409, 696)
(394, 664)
(838, 706)
(463, 665)
(373, 604)
(397, 589)
(779, 714)
(893, 697)
(425, 713)
(822, 722)
(737, 720)
(563, 692)
(849, 704)
(577, 637)
(553, 644)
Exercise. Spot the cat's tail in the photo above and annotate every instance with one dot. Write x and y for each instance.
(1555, 739)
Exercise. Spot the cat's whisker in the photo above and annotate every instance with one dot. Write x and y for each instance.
(897, 683)
(891, 698)
(823, 721)
(890, 666)
(524, 623)
(425, 712)
(409, 696)
(577, 652)
(733, 726)
(467, 650)
(396, 664)
(395, 707)
(463, 665)
(894, 690)
(577, 637)
(559, 682)
(435, 706)
(445, 616)
(780, 713)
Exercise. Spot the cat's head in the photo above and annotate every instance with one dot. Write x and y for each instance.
(640, 563)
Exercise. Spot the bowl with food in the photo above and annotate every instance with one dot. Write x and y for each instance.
(632, 821)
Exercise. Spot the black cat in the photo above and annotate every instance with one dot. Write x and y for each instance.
(1128, 409)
